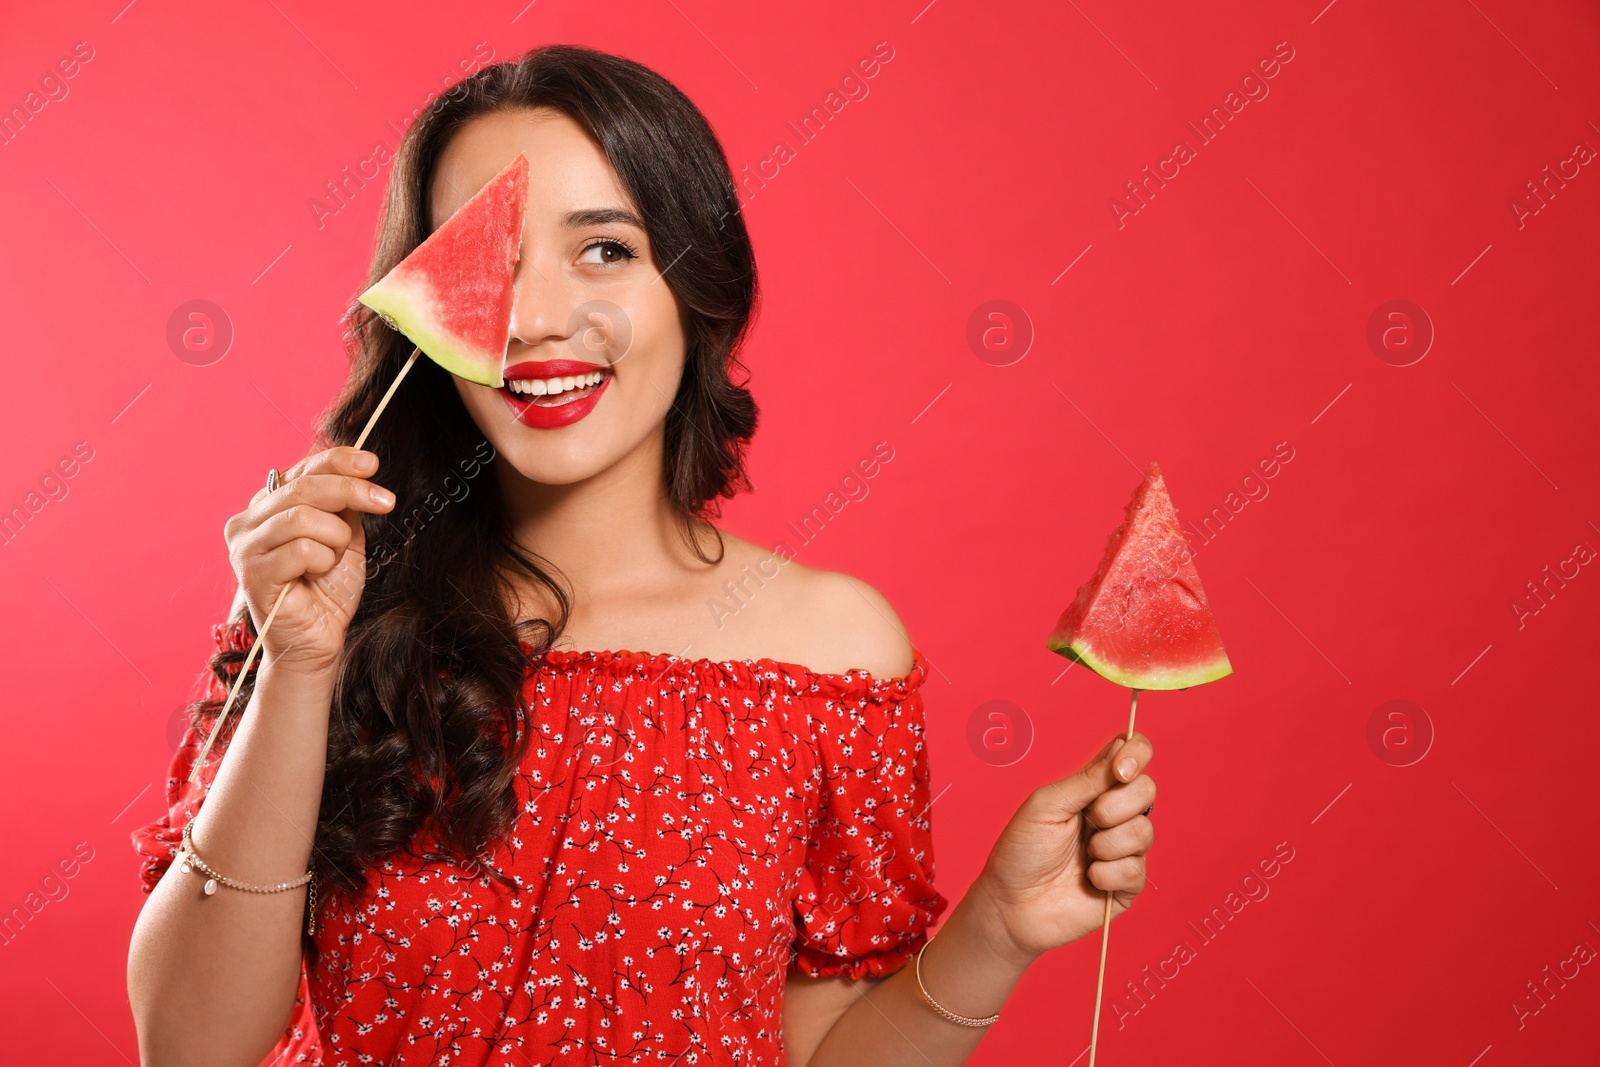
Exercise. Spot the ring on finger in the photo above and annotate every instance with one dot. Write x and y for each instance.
(274, 479)
(1148, 810)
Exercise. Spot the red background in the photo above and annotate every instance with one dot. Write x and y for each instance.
(1222, 319)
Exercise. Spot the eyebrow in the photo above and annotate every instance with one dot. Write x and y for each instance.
(601, 217)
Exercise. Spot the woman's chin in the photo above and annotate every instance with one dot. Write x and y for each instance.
(550, 462)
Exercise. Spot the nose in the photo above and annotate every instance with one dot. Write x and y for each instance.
(542, 303)
(555, 312)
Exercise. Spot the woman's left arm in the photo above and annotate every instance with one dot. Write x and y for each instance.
(1044, 885)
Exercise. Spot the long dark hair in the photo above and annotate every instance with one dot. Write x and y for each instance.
(428, 722)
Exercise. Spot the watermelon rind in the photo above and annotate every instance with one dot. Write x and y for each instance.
(1197, 674)
(393, 299)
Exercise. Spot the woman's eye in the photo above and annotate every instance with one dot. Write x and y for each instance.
(606, 252)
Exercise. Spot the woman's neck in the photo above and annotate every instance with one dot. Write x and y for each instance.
(608, 535)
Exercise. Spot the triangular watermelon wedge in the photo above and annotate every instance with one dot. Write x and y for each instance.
(1142, 621)
(452, 295)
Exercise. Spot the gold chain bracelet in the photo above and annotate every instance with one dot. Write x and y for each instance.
(191, 861)
(940, 1008)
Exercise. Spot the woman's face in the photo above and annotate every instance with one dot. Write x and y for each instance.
(589, 299)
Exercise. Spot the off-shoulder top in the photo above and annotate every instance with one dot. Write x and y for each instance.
(689, 831)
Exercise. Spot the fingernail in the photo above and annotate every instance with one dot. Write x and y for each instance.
(1127, 768)
(382, 496)
(365, 461)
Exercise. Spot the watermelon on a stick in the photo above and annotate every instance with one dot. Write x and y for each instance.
(452, 297)
(1142, 621)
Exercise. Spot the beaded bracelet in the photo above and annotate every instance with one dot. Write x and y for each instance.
(191, 861)
(940, 1008)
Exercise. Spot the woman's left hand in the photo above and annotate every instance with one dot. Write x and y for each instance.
(1072, 839)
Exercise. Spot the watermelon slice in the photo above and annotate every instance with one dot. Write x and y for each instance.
(452, 295)
(1142, 621)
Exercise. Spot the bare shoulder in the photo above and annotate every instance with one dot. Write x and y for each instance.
(829, 621)
(862, 629)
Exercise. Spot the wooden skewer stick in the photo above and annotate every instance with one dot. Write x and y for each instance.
(1105, 928)
(255, 647)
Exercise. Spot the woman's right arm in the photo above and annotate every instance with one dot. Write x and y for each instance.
(212, 979)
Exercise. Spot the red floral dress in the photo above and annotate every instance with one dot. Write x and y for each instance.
(690, 830)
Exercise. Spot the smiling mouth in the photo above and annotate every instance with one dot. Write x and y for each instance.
(555, 392)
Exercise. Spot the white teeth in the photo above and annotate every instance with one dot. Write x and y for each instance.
(554, 386)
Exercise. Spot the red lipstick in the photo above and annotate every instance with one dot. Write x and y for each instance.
(550, 412)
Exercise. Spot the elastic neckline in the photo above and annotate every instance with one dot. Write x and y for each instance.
(746, 672)
(751, 674)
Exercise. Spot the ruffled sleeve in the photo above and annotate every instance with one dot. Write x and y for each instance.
(866, 896)
(157, 842)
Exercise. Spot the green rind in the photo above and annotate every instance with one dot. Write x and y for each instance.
(1199, 674)
(387, 302)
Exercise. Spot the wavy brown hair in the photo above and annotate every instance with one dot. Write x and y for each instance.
(428, 723)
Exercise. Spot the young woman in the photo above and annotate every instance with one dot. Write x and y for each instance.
(554, 809)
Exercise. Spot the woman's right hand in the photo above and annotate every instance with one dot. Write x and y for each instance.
(307, 535)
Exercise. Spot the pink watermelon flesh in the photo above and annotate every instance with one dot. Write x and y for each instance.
(452, 295)
(1142, 620)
